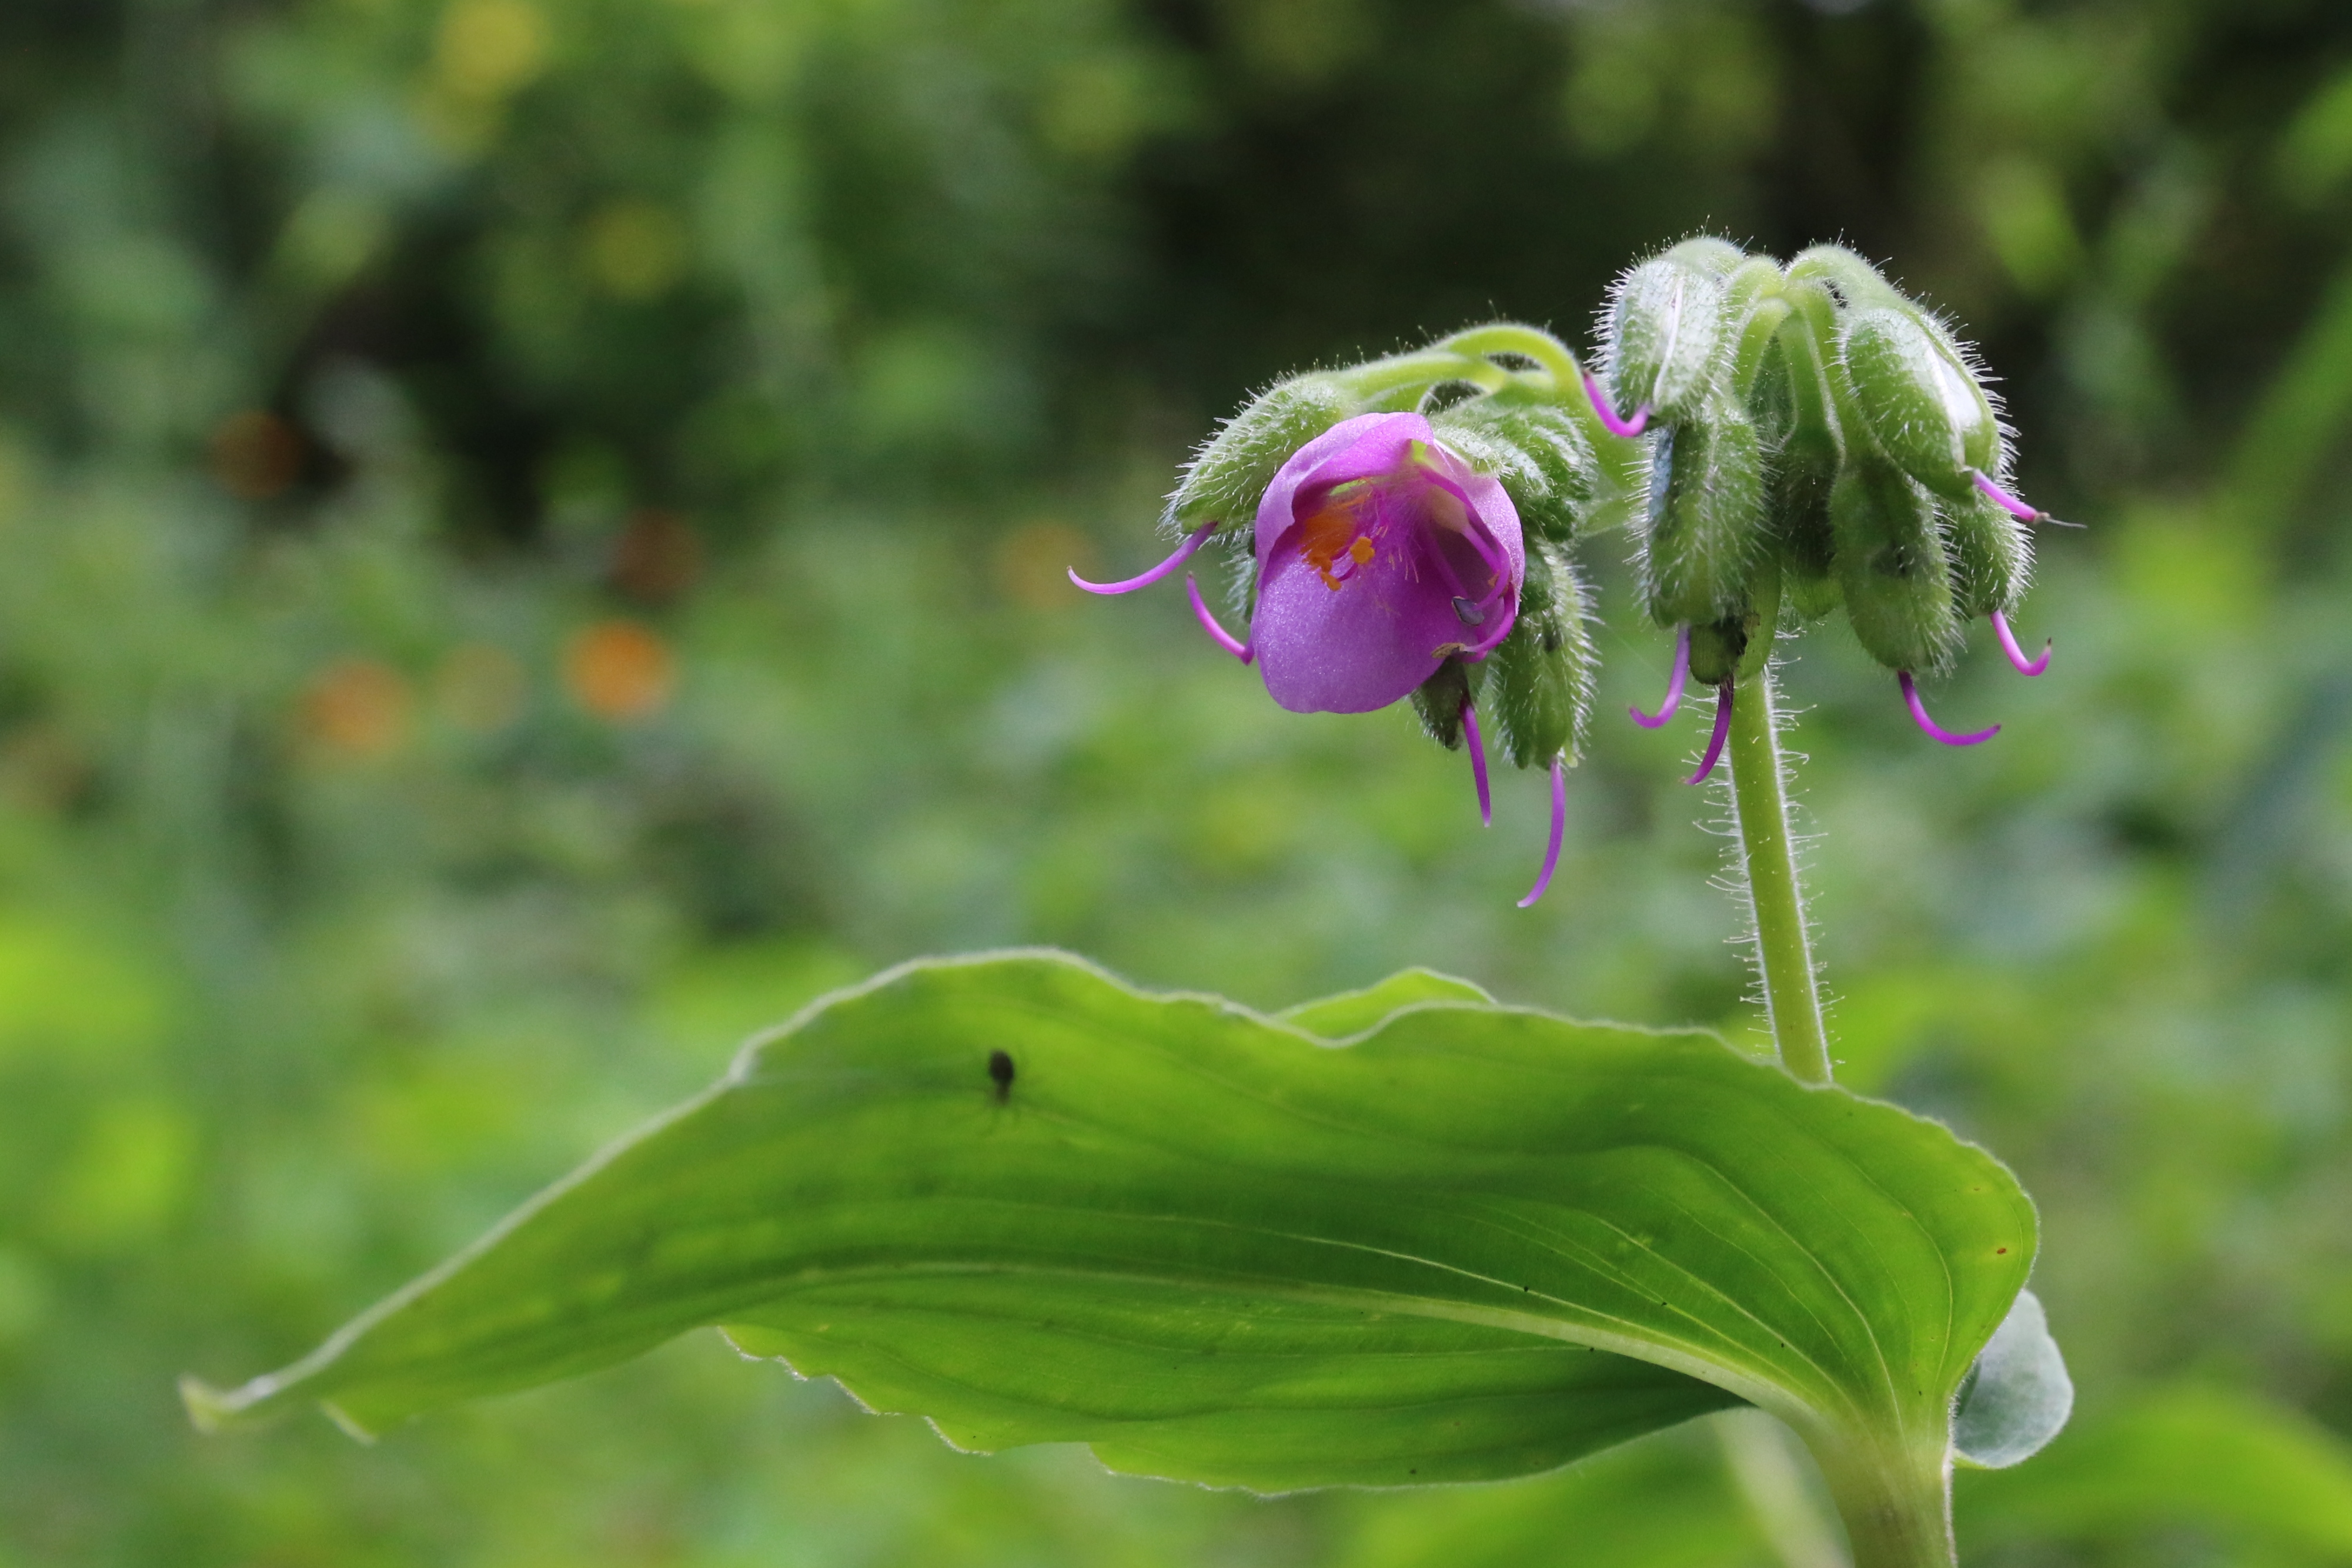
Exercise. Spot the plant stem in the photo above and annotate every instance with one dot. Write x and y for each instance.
(1895, 1497)
(1792, 1001)
(1895, 1503)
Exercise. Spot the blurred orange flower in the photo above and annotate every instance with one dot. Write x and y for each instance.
(619, 670)
(357, 706)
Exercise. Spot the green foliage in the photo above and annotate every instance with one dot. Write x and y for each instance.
(1220, 1250)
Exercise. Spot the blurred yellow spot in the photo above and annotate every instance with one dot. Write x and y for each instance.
(127, 1178)
(636, 249)
(488, 48)
(1034, 561)
(618, 670)
(69, 994)
(480, 686)
(256, 454)
(357, 706)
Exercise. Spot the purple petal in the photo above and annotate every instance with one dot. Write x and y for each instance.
(1217, 633)
(1357, 591)
(1609, 420)
(2004, 500)
(1919, 712)
(1478, 764)
(1192, 541)
(1381, 633)
(1674, 686)
(1715, 742)
(1354, 448)
(1558, 831)
(2024, 665)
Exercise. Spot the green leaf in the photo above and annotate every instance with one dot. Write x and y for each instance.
(1476, 1242)
(1354, 1012)
(2019, 1395)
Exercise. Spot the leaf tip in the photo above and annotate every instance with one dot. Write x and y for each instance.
(209, 1409)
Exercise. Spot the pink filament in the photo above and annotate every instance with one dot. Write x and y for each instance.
(1558, 831)
(2025, 667)
(1919, 712)
(1609, 420)
(1673, 687)
(1477, 763)
(1192, 541)
(2004, 500)
(1217, 634)
(1722, 733)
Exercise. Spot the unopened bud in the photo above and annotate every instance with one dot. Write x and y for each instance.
(1704, 530)
(1666, 337)
(1439, 700)
(1890, 566)
(1536, 448)
(1542, 689)
(1739, 644)
(1859, 286)
(1991, 555)
(1226, 479)
(1920, 400)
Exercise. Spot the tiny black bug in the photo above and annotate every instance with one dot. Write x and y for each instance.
(999, 1072)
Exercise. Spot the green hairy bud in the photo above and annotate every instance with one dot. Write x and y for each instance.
(1438, 701)
(1705, 528)
(1858, 284)
(1891, 568)
(1225, 480)
(1536, 448)
(1666, 334)
(1991, 555)
(1739, 644)
(1544, 671)
(1919, 398)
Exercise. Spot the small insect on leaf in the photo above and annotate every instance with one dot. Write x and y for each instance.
(999, 1072)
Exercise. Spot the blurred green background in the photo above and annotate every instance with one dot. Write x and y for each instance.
(531, 546)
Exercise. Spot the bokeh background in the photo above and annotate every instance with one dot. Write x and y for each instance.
(531, 546)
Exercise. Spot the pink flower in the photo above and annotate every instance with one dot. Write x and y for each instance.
(1380, 555)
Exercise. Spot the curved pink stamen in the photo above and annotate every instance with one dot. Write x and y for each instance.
(1715, 742)
(1192, 541)
(2004, 500)
(1919, 712)
(1673, 687)
(1217, 634)
(1558, 831)
(1477, 763)
(2025, 667)
(1609, 420)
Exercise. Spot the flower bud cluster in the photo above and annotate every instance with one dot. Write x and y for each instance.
(1815, 440)
(1818, 438)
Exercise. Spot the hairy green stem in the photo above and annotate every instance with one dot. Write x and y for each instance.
(1895, 1497)
(1896, 1502)
(1792, 1001)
